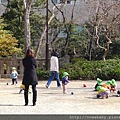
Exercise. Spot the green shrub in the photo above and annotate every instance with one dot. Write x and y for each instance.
(81, 69)
(42, 74)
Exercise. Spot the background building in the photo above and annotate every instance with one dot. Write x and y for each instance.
(2, 6)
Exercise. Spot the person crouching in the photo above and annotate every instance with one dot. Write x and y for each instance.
(103, 92)
(22, 87)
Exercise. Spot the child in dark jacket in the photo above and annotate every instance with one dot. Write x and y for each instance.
(65, 81)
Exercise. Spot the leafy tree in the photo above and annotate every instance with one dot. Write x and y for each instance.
(14, 17)
(25, 20)
(8, 43)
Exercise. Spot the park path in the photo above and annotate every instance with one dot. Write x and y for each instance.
(53, 101)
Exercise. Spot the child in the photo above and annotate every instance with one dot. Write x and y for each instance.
(99, 83)
(107, 85)
(14, 75)
(103, 92)
(22, 87)
(65, 81)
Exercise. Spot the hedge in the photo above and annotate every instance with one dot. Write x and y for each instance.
(83, 69)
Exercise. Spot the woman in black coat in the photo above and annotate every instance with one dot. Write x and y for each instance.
(30, 77)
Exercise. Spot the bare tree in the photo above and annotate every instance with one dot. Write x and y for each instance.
(67, 25)
(104, 18)
(104, 23)
(27, 8)
(54, 12)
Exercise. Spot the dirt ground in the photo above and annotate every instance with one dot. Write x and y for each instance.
(53, 101)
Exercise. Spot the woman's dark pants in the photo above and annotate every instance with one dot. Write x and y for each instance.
(26, 94)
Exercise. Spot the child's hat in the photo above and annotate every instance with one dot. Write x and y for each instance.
(113, 81)
(99, 81)
(98, 88)
(108, 82)
(65, 74)
(13, 68)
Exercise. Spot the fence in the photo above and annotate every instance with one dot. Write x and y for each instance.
(7, 63)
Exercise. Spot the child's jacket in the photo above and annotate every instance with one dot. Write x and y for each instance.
(102, 90)
(65, 80)
(14, 75)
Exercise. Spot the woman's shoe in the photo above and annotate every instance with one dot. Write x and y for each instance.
(34, 104)
(26, 104)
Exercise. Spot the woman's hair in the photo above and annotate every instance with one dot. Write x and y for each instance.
(29, 53)
(54, 53)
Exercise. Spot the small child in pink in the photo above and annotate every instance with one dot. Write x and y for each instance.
(65, 81)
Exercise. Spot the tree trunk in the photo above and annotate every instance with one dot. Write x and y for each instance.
(27, 29)
(27, 6)
(44, 30)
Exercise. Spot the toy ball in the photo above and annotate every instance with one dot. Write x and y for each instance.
(117, 95)
(84, 85)
(6, 83)
(72, 93)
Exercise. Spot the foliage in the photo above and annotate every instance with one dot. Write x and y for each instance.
(14, 18)
(83, 69)
(114, 52)
(77, 41)
(42, 74)
(8, 43)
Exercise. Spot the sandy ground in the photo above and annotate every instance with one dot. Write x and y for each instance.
(53, 101)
